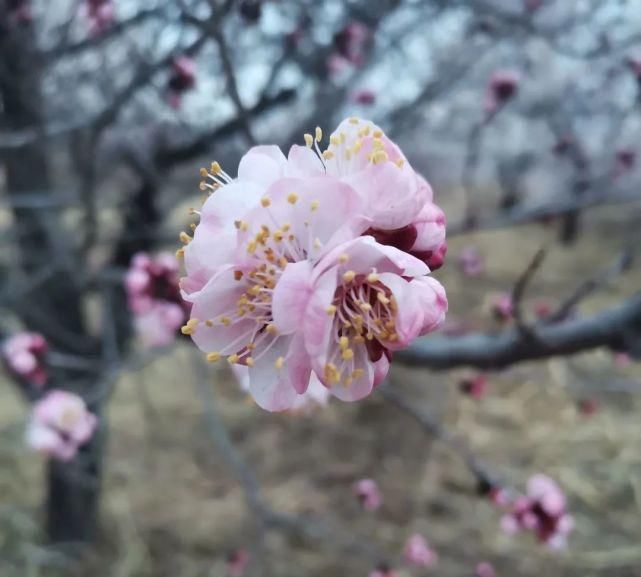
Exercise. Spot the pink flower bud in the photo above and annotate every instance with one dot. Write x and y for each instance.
(24, 355)
(502, 87)
(237, 563)
(484, 569)
(588, 407)
(368, 494)
(470, 262)
(502, 306)
(364, 97)
(474, 386)
(418, 553)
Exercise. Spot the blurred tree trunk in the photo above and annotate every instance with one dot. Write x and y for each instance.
(54, 305)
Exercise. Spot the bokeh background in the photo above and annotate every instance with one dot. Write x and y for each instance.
(524, 115)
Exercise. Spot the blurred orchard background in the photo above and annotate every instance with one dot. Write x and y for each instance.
(524, 115)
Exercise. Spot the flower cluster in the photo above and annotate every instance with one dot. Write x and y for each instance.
(24, 354)
(542, 511)
(182, 78)
(471, 262)
(154, 298)
(315, 264)
(349, 47)
(59, 425)
(101, 15)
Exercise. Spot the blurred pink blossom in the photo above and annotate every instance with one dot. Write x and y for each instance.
(502, 306)
(484, 569)
(182, 78)
(383, 571)
(474, 386)
(237, 563)
(24, 355)
(542, 511)
(622, 360)
(340, 295)
(532, 5)
(101, 15)
(471, 262)
(349, 43)
(588, 407)
(418, 553)
(368, 494)
(364, 97)
(154, 298)
(59, 425)
(543, 309)
(501, 88)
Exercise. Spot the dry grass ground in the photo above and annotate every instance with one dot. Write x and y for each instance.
(172, 508)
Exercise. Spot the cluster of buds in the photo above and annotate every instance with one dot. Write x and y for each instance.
(364, 97)
(59, 425)
(24, 356)
(101, 15)
(154, 298)
(502, 87)
(541, 511)
(349, 47)
(182, 79)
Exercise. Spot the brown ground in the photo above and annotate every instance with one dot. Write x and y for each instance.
(172, 508)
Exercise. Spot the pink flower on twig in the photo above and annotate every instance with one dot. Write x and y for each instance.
(59, 425)
(24, 355)
(418, 553)
(368, 494)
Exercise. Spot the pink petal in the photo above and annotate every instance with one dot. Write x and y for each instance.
(291, 296)
(262, 165)
(271, 388)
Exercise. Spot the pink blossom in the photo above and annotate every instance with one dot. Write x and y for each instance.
(60, 424)
(484, 569)
(283, 287)
(622, 360)
(237, 563)
(502, 306)
(542, 511)
(154, 298)
(101, 15)
(349, 43)
(474, 386)
(182, 78)
(24, 355)
(542, 309)
(364, 97)
(532, 5)
(471, 262)
(418, 553)
(368, 494)
(502, 87)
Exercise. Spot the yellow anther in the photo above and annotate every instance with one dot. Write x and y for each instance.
(233, 358)
(225, 320)
(331, 374)
(382, 298)
(265, 201)
(215, 168)
(314, 205)
(380, 156)
(278, 235)
(343, 343)
(331, 310)
(347, 381)
(334, 139)
(354, 120)
(280, 361)
(358, 373)
(249, 362)
(357, 147)
(203, 186)
(328, 155)
(238, 274)
(189, 327)
(317, 243)
(213, 357)
(292, 198)
(372, 277)
(209, 323)
(393, 337)
(319, 134)
(309, 140)
(282, 262)
(252, 246)
(359, 339)
(180, 253)
(349, 276)
(377, 134)
(185, 238)
(271, 329)
(343, 137)
(400, 162)
(286, 227)
(254, 290)
(365, 307)
(203, 173)
(343, 258)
